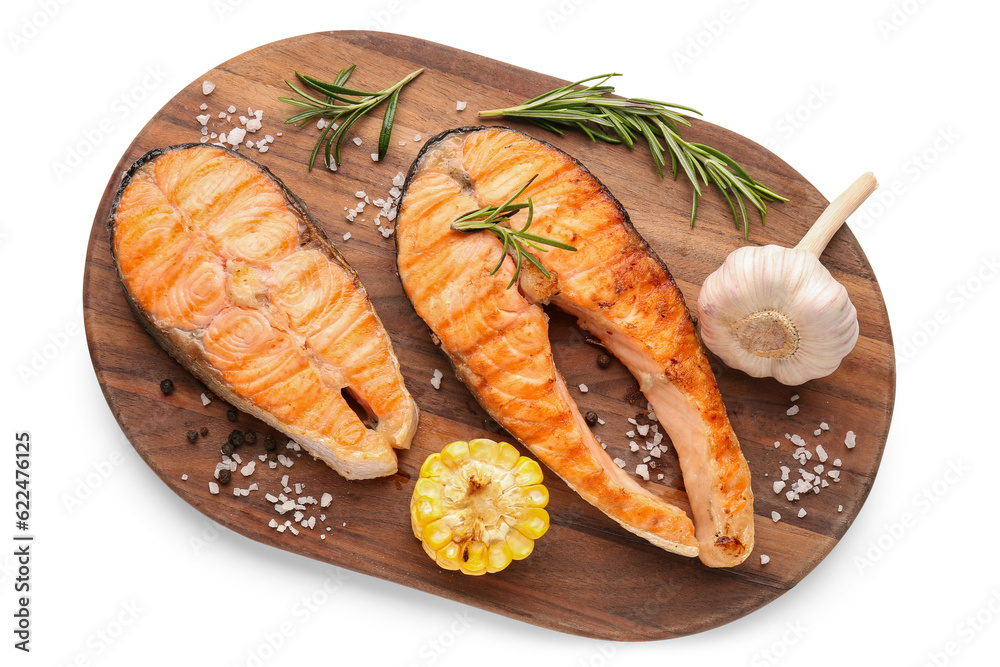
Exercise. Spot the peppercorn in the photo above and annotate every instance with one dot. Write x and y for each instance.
(192, 436)
(224, 476)
(269, 443)
(228, 448)
(204, 431)
(236, 438)
(591, 418)
(250, 438)
(603, 360)
(167, 387)
(231, 415)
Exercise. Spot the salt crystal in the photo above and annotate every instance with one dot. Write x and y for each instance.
(207, 87)
(817, 431)
(203, 119)
(794, 410)
(634, 446)
(253, 125)
(643, 429)
(584, 389)
(357, 140)
(436, 379)
(248, 469)
(775, 517)
(281, 528)
(764, 559)
(834, 475)
(386, 232)
(402, 143)
(656, 451)
(460, 105)
(325, 500)
(417, 137)
(269, 498)
(850, 440)
(203, 106)
(205, 400)
(778, 486)
(824, 426)
(601, 421)
(213, 488)
(840, 508)
(659, 476)
(642, 470)
(322, 123)
(792, 496)
(184, 477)
(204, 140)
(777, 444)
(236, 136)
(619, 463)
(794, 398)
(347, 235)
(398, 179)
(802, 512)
(268, 138)
(784, 472)
(243, 120)
(374, 157)
(262, 149)
(836, 462)
(629, 434)
(231, 109)
(272, 523)
(818, 469)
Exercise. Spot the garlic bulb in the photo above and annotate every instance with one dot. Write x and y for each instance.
(777, 312)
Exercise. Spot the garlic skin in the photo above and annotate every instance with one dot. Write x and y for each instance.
(777, 312)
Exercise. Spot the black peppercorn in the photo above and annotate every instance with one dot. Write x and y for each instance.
(192, 436)
(231, 415)
(603, 360)
(224, 476)
(591, 418)
(167, 387)
(204, 431)
(269, 443)
(228, 448)
(250, 438)
(236, 438)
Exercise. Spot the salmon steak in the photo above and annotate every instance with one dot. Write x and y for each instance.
(232, 276)
(619, 290)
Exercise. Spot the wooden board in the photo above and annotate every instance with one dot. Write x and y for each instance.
(587, 576)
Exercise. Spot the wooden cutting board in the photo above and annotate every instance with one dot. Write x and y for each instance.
(587, 576)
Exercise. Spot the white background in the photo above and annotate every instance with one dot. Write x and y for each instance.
(905, 89)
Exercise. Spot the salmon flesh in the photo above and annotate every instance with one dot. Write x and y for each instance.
(620, 291)
(231, 275)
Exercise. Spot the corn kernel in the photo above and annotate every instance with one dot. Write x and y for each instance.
(508, 456)
(474, 558)
(498, 557)
(527, 472)
(520, 546)
(534, 522)
(455, 454)
(436, 535)
(484, 450)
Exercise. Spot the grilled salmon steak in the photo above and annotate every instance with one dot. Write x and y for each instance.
(231, 275)
(620, 291)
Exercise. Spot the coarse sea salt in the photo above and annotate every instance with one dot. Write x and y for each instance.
(764, 559)
(213, 488)
(207, 87)
(436, 379)
(584, 389)
(794, 410)
(775, 517)
(460, 105)
(850, 440)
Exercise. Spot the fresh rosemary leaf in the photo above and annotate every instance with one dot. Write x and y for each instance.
(491, 218)
(617, 120)
(343, 107)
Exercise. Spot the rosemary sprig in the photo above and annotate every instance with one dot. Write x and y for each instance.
(343, 106)
(491, 219)
(617, 120)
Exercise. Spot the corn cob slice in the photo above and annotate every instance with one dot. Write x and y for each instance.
(479, 505)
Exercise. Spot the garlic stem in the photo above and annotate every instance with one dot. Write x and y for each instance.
(836, 213)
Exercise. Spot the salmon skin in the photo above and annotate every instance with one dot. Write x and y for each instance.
(227, 270)
(620, 291)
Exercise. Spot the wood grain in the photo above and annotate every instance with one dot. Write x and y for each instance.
(587, 575)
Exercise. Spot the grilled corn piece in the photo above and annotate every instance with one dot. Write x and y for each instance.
(478, 505)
